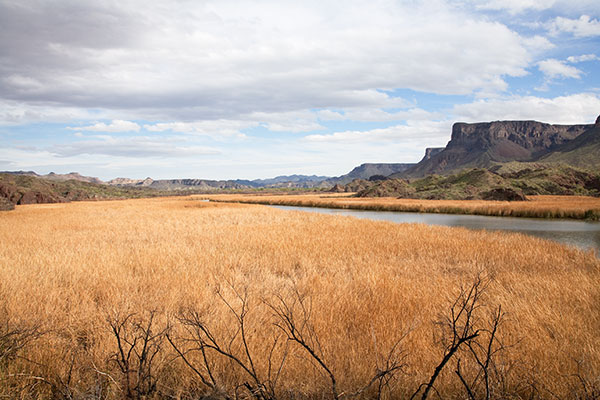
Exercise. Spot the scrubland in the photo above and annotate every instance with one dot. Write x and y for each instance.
(178, 298)
(575, 207)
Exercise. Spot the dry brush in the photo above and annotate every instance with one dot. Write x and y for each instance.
(178, 298)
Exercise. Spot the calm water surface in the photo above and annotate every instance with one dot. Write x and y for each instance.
(582, 234)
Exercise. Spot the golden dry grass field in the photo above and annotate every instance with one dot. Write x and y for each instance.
(245, 301)
(576, 207)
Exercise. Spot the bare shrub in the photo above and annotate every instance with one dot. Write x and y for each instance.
(293, 318)
(473, 341)
(233, 348)
(138, 342)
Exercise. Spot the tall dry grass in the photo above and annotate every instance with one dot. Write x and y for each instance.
(575, 207)
(70, 270)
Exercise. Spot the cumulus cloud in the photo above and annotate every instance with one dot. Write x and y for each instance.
(426, 131)
(114, 126)
(224, 69)
(573, 109)
(18, 113)
(219, 59)
(377, 115)
(538, 44)
(552, 68)
(291, 121)
(582, 27)
(582, 58)
(133, 147)
(515, 6)
(213, 128)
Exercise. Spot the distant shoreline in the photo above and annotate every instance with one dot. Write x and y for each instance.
(559, 207)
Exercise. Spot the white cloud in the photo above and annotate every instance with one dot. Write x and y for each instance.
(17, 113)
(429, 132)
(377, 115)
(515, 6)
(582, 27)
(574, 109)
(132, 147)
(220, 59)
(225, 68)
(115, 126)
(291, 121)
(538, 44)
(582, 58)
(552, 68)
(213, 128)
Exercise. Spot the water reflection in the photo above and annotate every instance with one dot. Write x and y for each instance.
(582, 234)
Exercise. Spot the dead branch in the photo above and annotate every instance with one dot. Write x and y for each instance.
(461, 324)
(137, 347)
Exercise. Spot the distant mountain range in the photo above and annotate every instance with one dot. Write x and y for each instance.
(364, 171)
(505, 159)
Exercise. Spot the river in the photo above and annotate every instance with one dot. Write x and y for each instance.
(582, 234)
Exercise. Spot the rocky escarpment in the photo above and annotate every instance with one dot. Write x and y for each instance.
(432, 151)
(13, 191)
(583, 151)
(483, 144)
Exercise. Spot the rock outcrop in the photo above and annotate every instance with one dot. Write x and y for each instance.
(389, 188)
(432, 151)
(6, 205)
(37, 197)
(337, 188)
(503, 194)
(485, 143)
(583, 151)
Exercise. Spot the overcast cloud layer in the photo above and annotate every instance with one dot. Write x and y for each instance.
(252, 89)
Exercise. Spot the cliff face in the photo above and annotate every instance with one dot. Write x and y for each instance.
(583, 151)
(432, 151)
(485, 143)
(530, 136)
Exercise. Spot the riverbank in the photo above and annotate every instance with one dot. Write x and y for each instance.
(572, 207)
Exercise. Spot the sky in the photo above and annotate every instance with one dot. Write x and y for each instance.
(238, 89)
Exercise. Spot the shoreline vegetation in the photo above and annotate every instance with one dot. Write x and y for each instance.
(569, 207)
(186, 299)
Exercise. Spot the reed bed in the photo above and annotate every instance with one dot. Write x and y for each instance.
(366, 296)
(573, 207)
